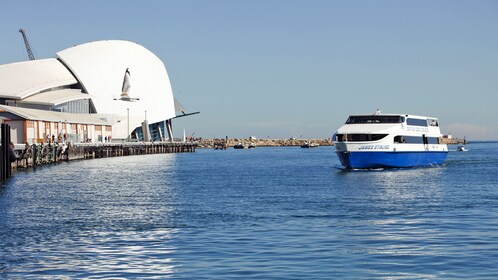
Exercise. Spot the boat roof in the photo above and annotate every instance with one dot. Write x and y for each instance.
(404, 115)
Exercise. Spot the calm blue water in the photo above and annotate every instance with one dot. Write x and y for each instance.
(278, 213)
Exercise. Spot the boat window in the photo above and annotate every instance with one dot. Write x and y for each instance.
(433, 122)
(399, 139)
(359, 137)
(403, 139)
(374, 119)
(417, 122)
(433, 140)
(413, 140)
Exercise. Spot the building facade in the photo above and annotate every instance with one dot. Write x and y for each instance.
(80, 94)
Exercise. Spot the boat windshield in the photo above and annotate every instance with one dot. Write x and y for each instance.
(375, 119)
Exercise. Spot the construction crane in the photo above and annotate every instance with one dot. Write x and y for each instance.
(28, 48)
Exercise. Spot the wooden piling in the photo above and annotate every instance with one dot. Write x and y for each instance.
(41, 154)
(5, 155)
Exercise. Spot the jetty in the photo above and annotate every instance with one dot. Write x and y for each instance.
(13, 157)
(41, 154)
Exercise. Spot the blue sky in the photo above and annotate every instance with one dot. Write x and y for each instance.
(279, 69)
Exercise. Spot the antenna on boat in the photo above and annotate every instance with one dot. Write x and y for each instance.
(378, 112)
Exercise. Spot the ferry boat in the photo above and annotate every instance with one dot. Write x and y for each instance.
(389, 141)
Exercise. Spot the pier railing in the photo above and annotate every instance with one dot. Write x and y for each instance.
(40, 154)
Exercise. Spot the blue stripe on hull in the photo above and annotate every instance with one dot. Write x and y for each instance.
(367, 160)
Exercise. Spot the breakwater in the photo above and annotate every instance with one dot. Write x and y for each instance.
(451, 141)
(230, 142)
(40, 154)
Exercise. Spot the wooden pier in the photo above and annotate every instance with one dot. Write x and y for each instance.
(41, 154)
(5, 153)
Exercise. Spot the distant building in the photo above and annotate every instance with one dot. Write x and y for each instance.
(447, 136)
(88, 93)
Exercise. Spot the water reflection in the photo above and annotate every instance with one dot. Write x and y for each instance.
(409, 184)
(100, 218)
(271, 213)
(397, 185)
(393, 210)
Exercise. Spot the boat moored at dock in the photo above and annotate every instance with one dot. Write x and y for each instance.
(389, 141)
(310, 145)
(239, 145)
(461, 148)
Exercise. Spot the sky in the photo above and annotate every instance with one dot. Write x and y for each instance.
(281, 69)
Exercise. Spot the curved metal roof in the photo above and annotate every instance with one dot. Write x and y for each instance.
(53, 116)
(100, 68)
(23, 79)
(56, 97)
(97, 68)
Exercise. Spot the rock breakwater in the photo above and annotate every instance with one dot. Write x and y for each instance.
(212, 143)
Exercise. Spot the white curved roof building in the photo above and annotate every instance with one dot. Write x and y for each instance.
(88, 79)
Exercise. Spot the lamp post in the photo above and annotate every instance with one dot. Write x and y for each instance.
(128, 125)
(145, 129)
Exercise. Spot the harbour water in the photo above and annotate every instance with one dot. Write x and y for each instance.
(264, 213)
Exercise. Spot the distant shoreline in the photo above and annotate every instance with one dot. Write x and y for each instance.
(453, 141)
(482, 141)
(212, 143)
(217, 142)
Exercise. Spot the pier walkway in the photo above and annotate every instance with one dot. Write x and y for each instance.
(41, 154)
